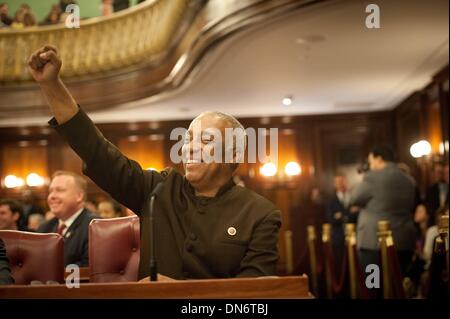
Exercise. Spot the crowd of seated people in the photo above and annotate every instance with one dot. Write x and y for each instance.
(24, 17)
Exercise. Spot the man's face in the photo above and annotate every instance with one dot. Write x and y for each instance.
(4, 9)
(106, 210)
(65, 197)
(198, 142)
(8, 219)
(340, 183)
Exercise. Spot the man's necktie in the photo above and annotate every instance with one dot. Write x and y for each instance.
(61, 228)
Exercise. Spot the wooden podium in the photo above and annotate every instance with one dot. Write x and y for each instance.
(243, 288)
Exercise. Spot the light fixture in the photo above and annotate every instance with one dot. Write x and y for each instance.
(292, 169)
(443, 147)
(419, 149)
(34, 179)
(268, 169)
(12, 181)
(287, 100)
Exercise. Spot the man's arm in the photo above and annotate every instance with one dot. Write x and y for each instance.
(121, 177)
(44, 66)
(262, 254)
(362, 193)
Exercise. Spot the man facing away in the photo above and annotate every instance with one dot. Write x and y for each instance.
(386, 193)
(205, 225)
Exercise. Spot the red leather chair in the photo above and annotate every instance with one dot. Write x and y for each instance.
(34, 257)
(114, 249)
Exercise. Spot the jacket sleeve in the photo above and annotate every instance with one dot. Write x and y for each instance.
(5, 272)
(121, 177)
(329, 214)
(262, 253)
(362, 193)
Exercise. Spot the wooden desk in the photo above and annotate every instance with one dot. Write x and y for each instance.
(263, 287)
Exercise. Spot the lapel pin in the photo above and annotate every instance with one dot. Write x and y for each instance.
(231, 231)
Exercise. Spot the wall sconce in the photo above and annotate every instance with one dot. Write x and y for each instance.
(268, 169)
(292, 169)
(12, 181)
(284, 178)
(420, 149)
(32, 180)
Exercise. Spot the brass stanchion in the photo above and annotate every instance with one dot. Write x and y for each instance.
(385, 240)
(350, 241)
(313, 259)
(326, 241)
(289, 256)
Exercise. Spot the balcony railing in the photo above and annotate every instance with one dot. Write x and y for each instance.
(140, 33)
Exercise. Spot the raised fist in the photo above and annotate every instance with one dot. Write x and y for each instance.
(45, 64)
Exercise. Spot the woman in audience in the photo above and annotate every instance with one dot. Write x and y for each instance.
(53, 16)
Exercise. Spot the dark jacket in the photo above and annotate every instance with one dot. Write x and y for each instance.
(194, 235)
(337, 232)
(5, 272)
(76, 243)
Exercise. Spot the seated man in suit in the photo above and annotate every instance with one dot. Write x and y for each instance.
(5, 272)
(67, 193)
(205, 225)
(10, 214)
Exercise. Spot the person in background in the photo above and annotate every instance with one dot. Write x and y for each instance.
(10, 213)
(5, 19)
(91, 205)
(35, 221)
(109, 209)
(107, 8)
(64, 3)
(338, 213)
(121, 5)
(67, 193)
(29, 207)
(386, 193)
(53, 16)
(421, 222)
(431, 234)
(437, 194)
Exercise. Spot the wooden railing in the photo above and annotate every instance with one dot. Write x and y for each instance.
(142, 32)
